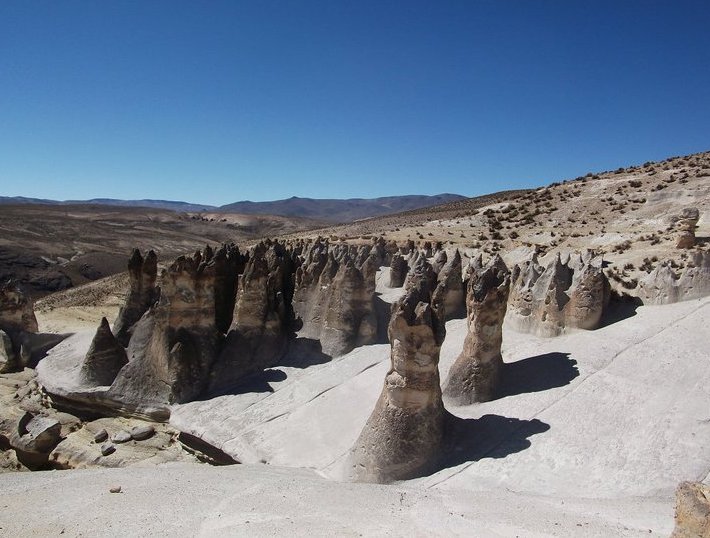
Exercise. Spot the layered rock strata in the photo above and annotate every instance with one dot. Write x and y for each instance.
(564, 295)
(403, 436)
(475, 375)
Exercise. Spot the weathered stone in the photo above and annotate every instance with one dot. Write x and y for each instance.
(143, 293)
(440, 259)
(100, 436)
(107, 449)
(685, 224)
(121, 436)
(398, 271)
(141, 433)
(105, 357)
(16, 309)
(8, 358)
(547, 301)
(335, 300)
(37, 434)
(403, 436)
(449, 291)
(475, 375)
(263, 322)
(663, 285)
(692, 511)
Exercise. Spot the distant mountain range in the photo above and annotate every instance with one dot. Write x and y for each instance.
(330, 210)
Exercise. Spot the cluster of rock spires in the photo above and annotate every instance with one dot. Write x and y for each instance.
(219, 317)
(566, 294)
(21, 343)
(664, 285)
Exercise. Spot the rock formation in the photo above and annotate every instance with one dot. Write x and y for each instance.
(403, 436)
(449, 290)
(141, 295)
(263, 322)
(692, 511)
(563, 295)
(685, 225)
(174, 345)
(335, 300)
(440, 259)
(16, 310)
(398, 271)
(664, 285)
(475, 375)
(105, 358)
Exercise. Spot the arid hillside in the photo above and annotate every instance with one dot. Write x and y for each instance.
(50, 247)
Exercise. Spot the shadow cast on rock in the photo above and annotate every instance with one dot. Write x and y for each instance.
(619, 308)
(305, 352)
(383, 312)
(491, 436)
(535, 374)
(259, 382)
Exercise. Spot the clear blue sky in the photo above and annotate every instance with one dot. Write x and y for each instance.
(214, 102)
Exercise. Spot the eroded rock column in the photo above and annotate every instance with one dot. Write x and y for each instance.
(475, 375)
(402, 438)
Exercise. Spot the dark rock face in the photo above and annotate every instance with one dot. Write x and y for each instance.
(546, 301)
(228, 263)
(398, 271)
(449, 290)
(664, 285)
(174, 345)
(263, 322)
(403, 436)
(334, 298)
(16, 310)
(143, 293)
(475, 375)
(105, 358)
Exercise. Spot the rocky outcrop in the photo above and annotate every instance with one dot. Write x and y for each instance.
(105, 358)
(175, 343)
(228, 264)
(564, 295)
(440, 259)
(16, 310)
(143, 273)
(449, 291)
(475, 375)
(664, 285)
(334, 299)
(20, 344)
(685, 224)
(398, 271)
(403, 436)
(263, 323)
(692, 511)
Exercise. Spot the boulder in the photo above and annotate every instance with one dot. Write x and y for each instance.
(475, 375)
(403, 436)
(16, 310)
